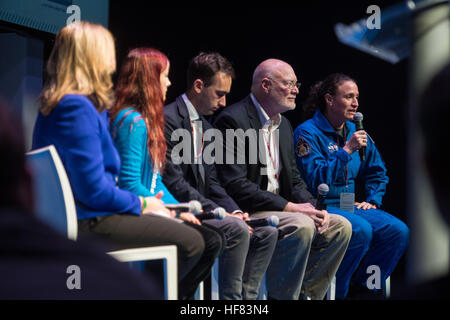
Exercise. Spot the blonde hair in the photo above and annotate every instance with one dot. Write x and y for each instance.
(81, 62)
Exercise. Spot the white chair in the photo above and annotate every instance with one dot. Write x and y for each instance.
(387, 288)
(262, 295)
(331, 292)
(214, 281)
(55, 206)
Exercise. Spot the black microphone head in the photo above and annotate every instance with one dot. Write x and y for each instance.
(220, 213)
(323, 189)
(195, 207)
(358, 117)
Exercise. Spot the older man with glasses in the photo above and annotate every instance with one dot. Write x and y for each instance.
(311, 242)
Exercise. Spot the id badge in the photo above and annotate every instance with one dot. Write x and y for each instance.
(347, 201)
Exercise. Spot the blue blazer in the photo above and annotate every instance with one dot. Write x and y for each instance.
(81, 136)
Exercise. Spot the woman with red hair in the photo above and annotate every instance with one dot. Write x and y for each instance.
(137, 120)
(137, 127)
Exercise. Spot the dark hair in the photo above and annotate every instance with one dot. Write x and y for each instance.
(12, 162)
(204, 66)
(316, 97)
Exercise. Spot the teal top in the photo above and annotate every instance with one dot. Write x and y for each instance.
(136, 171)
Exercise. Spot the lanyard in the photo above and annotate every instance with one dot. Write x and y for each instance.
(346, 176)
(272, 158)
(344, 138)
(346, 166)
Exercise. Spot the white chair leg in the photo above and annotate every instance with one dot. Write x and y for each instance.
(331, 293)
(215, 280)
(199, 294)
(168, 253)
(388, 288)
(262, 295)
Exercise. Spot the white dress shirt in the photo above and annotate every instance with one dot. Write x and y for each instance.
(197, 135)
(197, 132)
(271, 145)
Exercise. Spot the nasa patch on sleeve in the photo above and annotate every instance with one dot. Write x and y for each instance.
(302, 148)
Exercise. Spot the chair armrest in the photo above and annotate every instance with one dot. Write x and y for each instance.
(168, 253)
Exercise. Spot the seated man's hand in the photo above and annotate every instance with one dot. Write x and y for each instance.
(244, 216)
(321, 218)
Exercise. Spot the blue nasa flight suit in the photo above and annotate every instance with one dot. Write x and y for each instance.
(378, 238)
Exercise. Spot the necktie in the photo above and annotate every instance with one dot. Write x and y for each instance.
(197, 126)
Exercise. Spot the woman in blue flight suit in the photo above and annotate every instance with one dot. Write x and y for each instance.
(327, 152)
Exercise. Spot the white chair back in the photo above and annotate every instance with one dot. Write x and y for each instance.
(55, 205)
(54, 202)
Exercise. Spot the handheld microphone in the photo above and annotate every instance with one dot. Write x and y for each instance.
(271, 221)
(218, 213)
(358, 118)
(322, 191)
(193, 206)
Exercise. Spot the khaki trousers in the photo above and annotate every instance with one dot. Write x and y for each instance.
(305, 261)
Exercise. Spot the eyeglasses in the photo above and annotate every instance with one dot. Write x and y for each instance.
(289, 84)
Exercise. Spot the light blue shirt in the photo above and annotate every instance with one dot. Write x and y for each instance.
(136, 171)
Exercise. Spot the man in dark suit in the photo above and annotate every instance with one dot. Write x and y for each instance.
(190, 174)
(38, 263)
(312, 242)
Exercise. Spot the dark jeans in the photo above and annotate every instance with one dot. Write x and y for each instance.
(245, 258)
(197, 246)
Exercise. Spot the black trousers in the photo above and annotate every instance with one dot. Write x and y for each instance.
(197, 246)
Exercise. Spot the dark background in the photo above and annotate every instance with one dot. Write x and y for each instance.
(301, 34)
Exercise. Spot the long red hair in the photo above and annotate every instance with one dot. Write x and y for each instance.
(139, 86)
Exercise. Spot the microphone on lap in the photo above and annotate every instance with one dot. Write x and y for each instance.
(357, 119)
(272, 221)
(322, 191)
(218, 213)
(193, 206)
